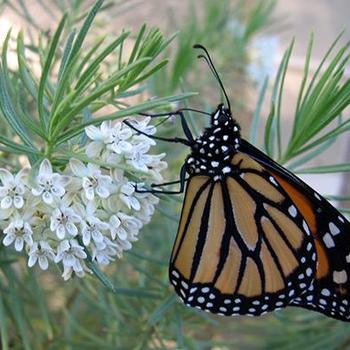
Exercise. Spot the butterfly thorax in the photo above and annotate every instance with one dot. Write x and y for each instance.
(213, 150)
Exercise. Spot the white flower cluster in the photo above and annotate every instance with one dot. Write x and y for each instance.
(54, 216)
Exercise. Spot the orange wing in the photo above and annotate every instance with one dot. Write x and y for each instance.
(242, 246)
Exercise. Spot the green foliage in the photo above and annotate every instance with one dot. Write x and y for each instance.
(80, 85)
(321, 101)
(228, 29)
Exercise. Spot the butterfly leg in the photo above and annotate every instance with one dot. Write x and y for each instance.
(182, 182)
(172, 140)
(184, 124)
(179, 112)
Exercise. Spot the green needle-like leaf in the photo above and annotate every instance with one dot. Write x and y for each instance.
(46, 70)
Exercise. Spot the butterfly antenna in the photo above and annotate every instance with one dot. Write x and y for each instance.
(213, 70)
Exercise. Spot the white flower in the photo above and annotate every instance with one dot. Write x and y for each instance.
(12, 190)
(44, 215)
(63, 221)
(19, 232)
(49, 185)
(42, 252)
(156, 165)
(138, 158)
(94, 182)
(99, 136)
(124, 226)
(262, 53)
(236, 27)
(148, 202)
(72, 255)
(92, 226)
(142, 125)
(117, 139)
(104, 253)
(127, 195)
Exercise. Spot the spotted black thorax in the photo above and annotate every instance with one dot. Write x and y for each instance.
(213, 150)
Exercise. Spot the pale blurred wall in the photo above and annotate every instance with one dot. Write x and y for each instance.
(326, 19)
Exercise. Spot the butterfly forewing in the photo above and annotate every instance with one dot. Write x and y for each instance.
(242, 246)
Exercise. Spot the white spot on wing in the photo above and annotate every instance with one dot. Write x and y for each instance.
(306, 228)
(328, 240)
(334, 229)
(174, 273)
(226, 169)
(272, 179)
(292, 211)
(184, 284)
(326, 292)
(340, 276)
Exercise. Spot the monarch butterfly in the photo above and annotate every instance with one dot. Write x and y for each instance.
(252, 236)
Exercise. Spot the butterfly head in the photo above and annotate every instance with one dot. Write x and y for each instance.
(222, 116)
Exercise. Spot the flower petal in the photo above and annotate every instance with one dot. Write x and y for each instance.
(94, 149)
(5, 176)
(37, 191)
(6, 202)
(89, 193)
(93, 132)
(122, 234)
(45, 167)
(19, 243)
(97, 236)
(47, 197)
(72, 229)
(103, 192)
(78, 168)
(43, 263)
(18, 202)
(86, 237)
(60, 231)
(58, 190)
(8, 239)
(32, 260)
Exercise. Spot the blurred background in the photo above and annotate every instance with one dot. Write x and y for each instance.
(247, 40)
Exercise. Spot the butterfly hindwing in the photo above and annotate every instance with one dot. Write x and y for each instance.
(330, 291)
(242, 247)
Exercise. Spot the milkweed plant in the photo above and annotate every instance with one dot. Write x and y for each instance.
(74, 203)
